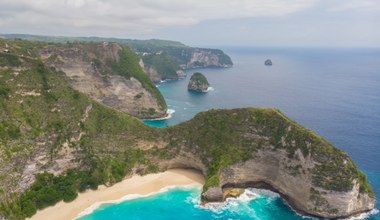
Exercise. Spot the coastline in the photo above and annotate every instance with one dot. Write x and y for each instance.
(141, 185)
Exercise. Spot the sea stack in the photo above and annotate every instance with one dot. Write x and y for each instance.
(268, 62)
(198, 83)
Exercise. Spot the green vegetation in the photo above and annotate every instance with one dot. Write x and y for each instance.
(166, 67)
(198, 82)
(199, 78)
(128, 66)
(9, 59)
(166, 56)
(45, 191)
(43, 119)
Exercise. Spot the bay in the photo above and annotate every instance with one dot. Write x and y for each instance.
(333, 91)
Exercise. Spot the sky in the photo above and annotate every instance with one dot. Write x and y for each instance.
(260, 23)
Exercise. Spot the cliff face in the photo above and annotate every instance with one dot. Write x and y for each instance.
(270, 170)
(90, 68)
(203, 58)
(171, 63)
(263, 148)
(167, 73)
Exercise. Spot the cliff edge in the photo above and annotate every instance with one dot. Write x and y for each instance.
(255, 147)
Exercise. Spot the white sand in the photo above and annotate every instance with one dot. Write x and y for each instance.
(141, 185)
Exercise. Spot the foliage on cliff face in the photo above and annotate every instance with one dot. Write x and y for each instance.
(164, 65)
(198, 82)
(199, 78)
(128, 66)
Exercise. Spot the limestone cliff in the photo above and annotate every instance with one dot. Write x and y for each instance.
(203, 58)
(92, 69)
(268, 62)
(263, 148)
(171, 65)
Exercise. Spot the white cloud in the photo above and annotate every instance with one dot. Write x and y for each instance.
(343, 5)
(137, 16)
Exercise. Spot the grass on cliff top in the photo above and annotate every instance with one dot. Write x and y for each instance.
(224, 137)
(199, 79)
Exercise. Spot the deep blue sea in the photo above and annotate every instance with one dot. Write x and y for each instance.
(335, 92)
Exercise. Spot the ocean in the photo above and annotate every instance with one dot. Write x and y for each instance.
(333, 91)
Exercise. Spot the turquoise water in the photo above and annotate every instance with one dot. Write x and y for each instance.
(335, 92)
(182, 203)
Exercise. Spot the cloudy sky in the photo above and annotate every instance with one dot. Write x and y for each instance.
(352, 23)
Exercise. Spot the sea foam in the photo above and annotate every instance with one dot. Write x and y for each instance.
(128, 197)
(169, 113)
(209, 89)
(364, 215)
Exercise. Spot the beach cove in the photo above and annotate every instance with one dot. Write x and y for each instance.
(135, 185)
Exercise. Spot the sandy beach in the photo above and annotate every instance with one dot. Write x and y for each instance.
(142, 185)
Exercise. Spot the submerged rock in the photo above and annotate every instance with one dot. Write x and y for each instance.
(268, 62)
(198, 83)
(232, 192)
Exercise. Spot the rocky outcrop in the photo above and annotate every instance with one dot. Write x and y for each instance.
(269, 170)
(268, 62)
(198, 83)
(213, 194)
(315, 178)
(171, 65)
(87, 65)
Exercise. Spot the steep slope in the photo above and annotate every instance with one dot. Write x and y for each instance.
(161, 67)
(110, 74)
(161, 59)
(55, 141)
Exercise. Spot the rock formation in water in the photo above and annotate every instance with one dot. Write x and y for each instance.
(268, 62)
(198, 83)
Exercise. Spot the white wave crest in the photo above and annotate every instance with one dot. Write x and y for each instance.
(364, 215)
(95, 206)
(232, 203)
(169, 114)
(209, 89)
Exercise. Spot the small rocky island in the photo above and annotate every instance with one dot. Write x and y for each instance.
(198, 83)
(268, 62)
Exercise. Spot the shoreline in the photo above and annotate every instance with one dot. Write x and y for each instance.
(133, 186)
